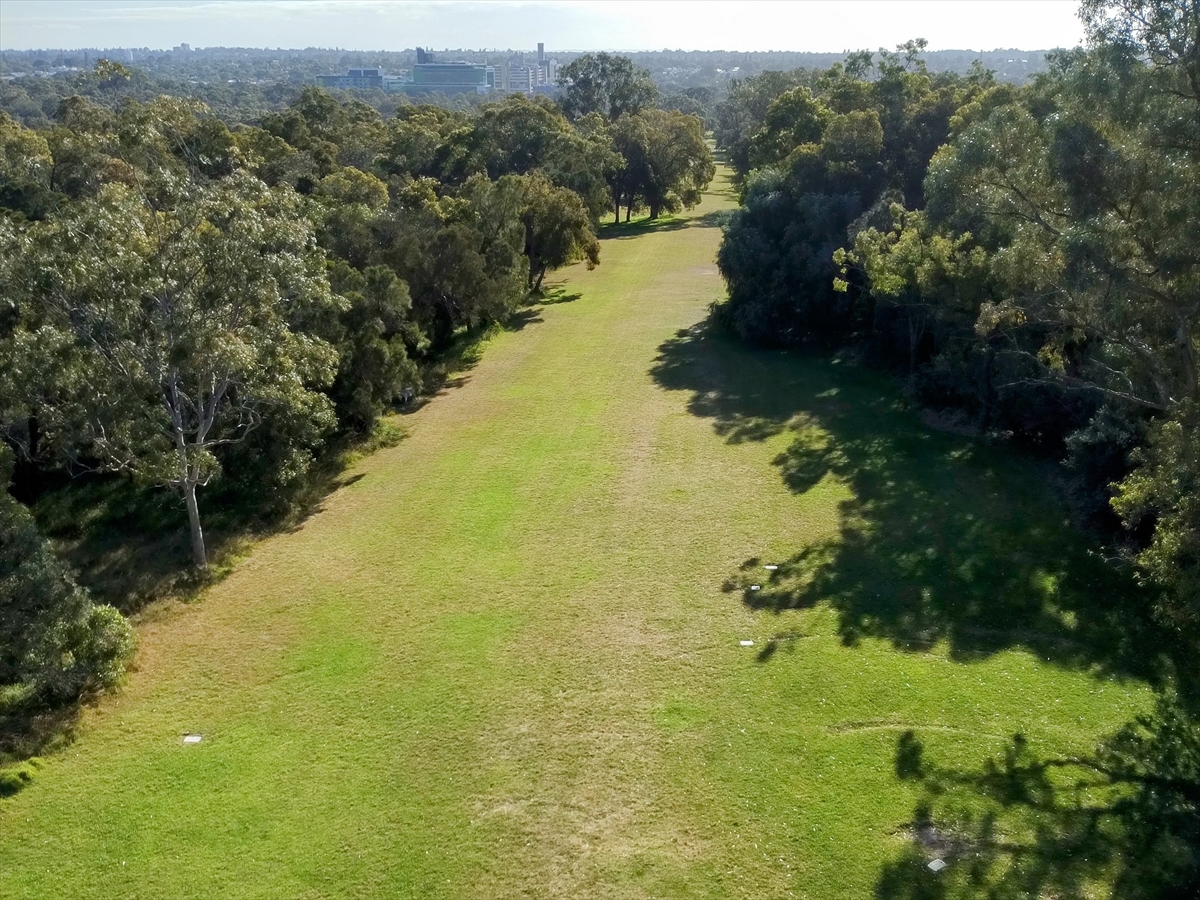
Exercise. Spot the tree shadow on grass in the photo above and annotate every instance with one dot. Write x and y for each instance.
(552, 295)
(522, 318)
(637, 227)
(1029, 825)
(941, 538)
(127, 542)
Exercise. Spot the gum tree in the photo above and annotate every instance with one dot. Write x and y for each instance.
(169, 310)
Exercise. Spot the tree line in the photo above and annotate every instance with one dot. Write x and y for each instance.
(184, 303)
(1027, 258)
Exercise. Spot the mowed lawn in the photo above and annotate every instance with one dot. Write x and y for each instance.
(506, 659)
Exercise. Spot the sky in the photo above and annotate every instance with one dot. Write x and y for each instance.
(813, 25)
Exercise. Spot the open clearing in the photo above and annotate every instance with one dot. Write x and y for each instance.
(506, 659)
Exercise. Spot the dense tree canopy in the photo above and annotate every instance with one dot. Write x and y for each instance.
(1028, 259)
(814, 158)
(186, 303)
(607, 84)
(169, 318)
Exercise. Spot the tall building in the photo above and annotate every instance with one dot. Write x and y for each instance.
(363, 79)
(548, 73)
(429, 75)
(518, 76)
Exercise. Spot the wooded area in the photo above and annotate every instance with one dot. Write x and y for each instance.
(188, 303)
(1024, 256)
(213, 312)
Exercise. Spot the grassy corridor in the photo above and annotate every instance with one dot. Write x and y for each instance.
(504, 661)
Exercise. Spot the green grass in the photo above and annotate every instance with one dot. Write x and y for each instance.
(505, 660)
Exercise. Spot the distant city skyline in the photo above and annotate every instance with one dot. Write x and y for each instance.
(749, 25)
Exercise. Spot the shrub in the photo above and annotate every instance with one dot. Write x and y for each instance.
(54, 641)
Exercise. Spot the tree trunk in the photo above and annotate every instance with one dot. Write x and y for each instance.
(529, 254)
(35, 436)
(616, 205)
(541, 274)
(1187, 358)
(916, 331)
(985, 391)
(187, 484)
(199, 557)
(628, 210)
(654, 211)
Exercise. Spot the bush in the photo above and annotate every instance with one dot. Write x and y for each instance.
(1165, 486)
(55, 643)
(777, 258)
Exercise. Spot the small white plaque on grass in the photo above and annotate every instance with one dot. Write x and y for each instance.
(771, 567)
(755, 587)
(938, 864)
(192, 738)
(746, 643)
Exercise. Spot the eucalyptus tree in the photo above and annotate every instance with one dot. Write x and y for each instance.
(558, 228)
(460, 253)
(1077, 201)
(678, 166)
(168, 312)
(605, 83)
(25, 166)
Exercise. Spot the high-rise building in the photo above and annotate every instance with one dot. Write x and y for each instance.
(518, 76)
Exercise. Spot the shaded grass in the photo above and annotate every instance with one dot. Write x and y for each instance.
(941, 539)
(129, 542)
(501, 662)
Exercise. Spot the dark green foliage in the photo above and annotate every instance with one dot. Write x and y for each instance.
(742, 114)
(777, 258)
(558, 228)
(517, 135)
(371, 339)
(192, 303)
(607, 84)
(1046, 294)
(462, 257)
(700, 102)
(1165, 488)
(1078, 197)
(665, 163)
(815, 151)
(55, 644)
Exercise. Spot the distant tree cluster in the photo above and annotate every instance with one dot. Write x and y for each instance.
(665, 163)
(185, 303)
(240, 84)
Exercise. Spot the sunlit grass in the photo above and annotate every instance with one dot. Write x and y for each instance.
(506, 661)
